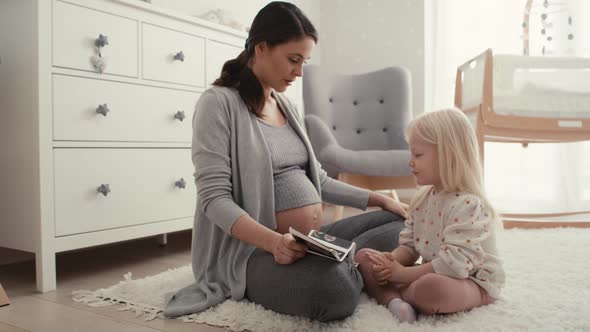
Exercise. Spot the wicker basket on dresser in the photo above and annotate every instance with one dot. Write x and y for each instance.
(97, 153)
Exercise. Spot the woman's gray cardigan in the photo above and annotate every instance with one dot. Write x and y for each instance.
(233, 175)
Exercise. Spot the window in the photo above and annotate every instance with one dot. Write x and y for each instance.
(541, 178)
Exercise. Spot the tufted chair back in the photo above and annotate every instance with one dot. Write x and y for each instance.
(364, 112)
(356, 126)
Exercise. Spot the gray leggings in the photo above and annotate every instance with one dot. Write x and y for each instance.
(316, 287)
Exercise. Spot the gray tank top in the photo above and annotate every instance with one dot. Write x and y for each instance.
(289, 156)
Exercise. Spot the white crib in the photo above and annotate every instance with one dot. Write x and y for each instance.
(526, 99)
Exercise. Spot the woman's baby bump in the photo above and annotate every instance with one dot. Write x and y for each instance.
(302, 218)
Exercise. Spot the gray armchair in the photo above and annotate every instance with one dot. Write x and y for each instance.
(356, 125)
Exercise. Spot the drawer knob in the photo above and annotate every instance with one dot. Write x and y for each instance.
(104, 189)
(179, 56)
(180, 115)
(101, 41)
(181, 184)
(103, 109)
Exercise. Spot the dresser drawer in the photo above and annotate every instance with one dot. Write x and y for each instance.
(75, 30)
(97, 110)
(142, 182)
(172, 56)
(217, 55)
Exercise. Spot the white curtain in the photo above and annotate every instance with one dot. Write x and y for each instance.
(542, 178)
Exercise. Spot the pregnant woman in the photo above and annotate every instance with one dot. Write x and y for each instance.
(256, 176)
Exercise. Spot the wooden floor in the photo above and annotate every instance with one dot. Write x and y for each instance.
(91, 269)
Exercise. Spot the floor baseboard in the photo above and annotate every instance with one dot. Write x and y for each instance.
(544, 224)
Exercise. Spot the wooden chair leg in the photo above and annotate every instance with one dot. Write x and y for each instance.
(394, 194)
(4, 300)
(338, 212)
(332, 213)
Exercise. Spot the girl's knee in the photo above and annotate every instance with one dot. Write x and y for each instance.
(429, 293)
(430, 285)
(362, 256)
(430, 280)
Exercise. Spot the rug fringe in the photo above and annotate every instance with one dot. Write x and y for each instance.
(97, 299)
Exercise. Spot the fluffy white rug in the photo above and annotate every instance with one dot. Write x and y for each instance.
(547, 289)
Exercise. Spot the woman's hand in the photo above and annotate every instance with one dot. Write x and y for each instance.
(388, 204)
(385, 267)
(287, 250)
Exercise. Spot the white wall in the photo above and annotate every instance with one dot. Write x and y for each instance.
(361, 36)
(582, 7)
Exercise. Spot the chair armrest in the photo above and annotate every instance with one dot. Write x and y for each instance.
(319, 134)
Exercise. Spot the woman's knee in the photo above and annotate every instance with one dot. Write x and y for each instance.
(385, 216)
(386, 221)
(334, 297)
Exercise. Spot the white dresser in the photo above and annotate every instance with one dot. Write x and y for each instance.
(90, 157)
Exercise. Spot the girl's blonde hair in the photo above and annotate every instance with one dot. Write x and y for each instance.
(458, 152)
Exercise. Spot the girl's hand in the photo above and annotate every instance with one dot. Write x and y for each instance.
(382, 274)
(388, 204)
(385, 267)
(287, 250)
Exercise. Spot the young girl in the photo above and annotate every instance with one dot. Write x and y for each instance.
(451, 225)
